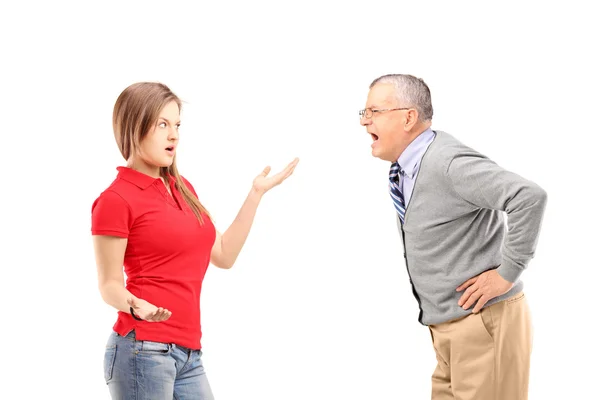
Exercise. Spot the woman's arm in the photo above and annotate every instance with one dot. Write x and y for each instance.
(228, 245)
(110, 252)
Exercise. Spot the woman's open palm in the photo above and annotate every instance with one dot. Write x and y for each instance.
(264, 183)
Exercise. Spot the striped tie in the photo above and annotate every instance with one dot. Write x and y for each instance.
(395, 192)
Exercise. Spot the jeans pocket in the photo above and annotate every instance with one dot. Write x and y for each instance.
(149, 347)
(109, 361)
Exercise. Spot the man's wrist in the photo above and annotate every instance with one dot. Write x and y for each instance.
(509, 271)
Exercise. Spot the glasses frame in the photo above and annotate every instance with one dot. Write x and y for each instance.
(364, 113)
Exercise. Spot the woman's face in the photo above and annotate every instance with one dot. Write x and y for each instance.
(159, 146)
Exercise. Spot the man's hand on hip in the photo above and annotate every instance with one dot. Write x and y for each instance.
(481, 289)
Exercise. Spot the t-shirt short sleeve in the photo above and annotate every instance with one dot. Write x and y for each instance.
(111, 215)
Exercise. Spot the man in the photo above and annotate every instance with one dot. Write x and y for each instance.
(464, 269)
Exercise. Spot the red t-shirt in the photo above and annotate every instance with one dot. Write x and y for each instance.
(167, 255)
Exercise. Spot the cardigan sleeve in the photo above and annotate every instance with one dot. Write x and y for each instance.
(483, 183)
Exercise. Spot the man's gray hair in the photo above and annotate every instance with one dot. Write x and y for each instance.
(410, 92)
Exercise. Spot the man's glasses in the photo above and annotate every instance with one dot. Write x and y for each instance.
(368, 112)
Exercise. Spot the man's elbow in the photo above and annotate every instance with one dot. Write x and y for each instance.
(540, 195)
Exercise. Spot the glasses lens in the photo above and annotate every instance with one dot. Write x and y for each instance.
(366, 113)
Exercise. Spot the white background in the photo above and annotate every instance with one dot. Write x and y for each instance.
(318, 305)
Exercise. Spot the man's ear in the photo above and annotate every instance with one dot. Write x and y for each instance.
(412, 118)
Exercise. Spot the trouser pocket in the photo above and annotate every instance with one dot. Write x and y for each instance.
(109, 361)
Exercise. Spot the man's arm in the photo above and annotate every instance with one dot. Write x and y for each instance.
(483, 183)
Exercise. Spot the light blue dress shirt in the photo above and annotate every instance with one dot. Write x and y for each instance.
(410, 161)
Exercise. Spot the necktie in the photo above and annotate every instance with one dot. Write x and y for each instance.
(395, 192)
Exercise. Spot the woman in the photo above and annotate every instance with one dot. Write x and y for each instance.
(150, 221)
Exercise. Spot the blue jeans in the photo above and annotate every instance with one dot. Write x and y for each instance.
(144, 370)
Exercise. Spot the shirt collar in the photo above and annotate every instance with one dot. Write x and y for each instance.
(410, 158)
(139, 179)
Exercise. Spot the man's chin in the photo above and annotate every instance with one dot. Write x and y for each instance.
(377, 153)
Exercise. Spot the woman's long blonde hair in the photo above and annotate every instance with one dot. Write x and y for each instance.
(136, 111)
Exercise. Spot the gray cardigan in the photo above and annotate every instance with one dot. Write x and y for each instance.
(454, 226)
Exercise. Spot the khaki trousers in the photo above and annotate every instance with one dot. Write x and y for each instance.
(484, 356)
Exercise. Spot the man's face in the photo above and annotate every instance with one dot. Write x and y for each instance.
(386, 127)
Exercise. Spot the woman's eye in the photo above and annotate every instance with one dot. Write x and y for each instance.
(178, 125)
(162, 125)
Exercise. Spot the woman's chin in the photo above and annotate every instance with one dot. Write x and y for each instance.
(164, 163)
